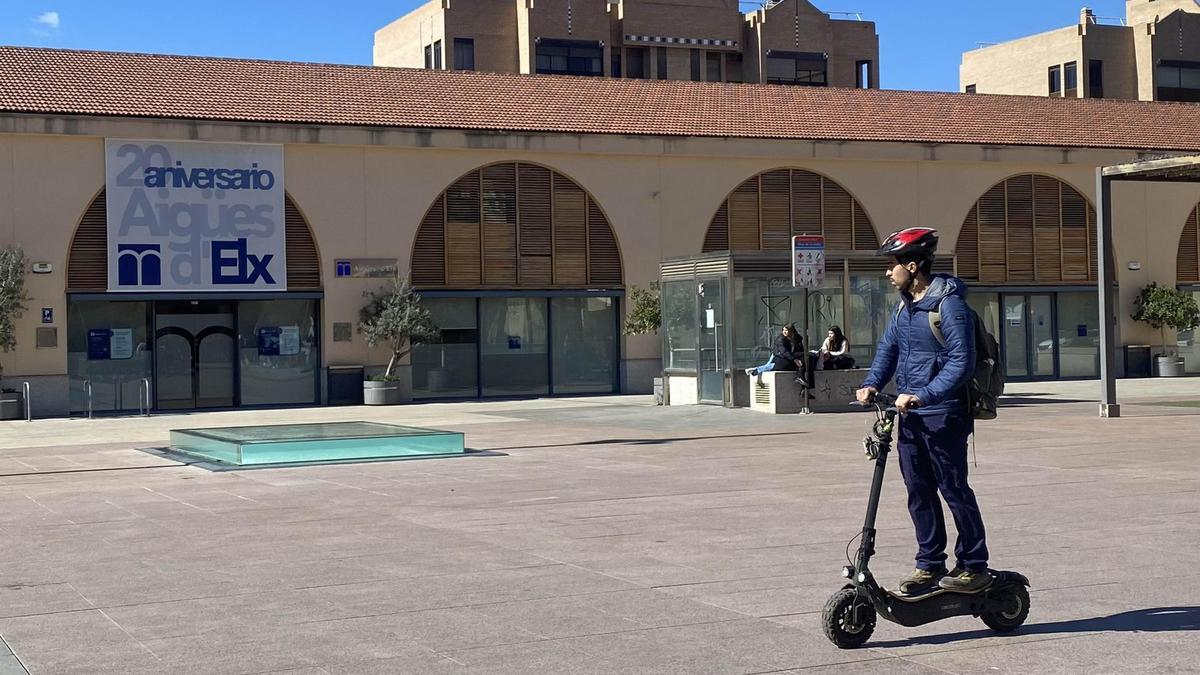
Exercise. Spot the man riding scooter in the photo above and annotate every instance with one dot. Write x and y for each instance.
(931, 380)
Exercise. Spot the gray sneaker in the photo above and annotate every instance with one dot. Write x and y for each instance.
(966, 581)
(919, 581)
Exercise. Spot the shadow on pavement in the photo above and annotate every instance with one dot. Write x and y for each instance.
(1157, 620)
(645, 441)
(1033, 399)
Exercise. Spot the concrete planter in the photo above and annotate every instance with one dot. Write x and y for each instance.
(1169, 366)
(382, 393)
(12, 406)
(658, 391)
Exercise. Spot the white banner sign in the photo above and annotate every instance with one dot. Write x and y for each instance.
(195, 216)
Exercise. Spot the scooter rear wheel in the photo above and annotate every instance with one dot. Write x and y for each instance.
(847, 620)
(1016, 609)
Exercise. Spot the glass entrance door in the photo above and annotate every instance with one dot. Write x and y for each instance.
(1030, 350)
(194, 355)
(712, 341)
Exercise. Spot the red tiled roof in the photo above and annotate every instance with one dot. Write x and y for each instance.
(59, 82)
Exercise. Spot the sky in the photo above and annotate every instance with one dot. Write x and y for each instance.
(920, 43)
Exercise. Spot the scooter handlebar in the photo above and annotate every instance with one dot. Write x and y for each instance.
(880, 398)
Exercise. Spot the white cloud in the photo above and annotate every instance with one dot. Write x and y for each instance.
(50, 20)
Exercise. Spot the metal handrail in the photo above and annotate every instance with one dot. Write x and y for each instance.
(87, 388)
(28, 402)
(144, 391)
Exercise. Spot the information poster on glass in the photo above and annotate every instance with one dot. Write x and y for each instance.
(289, 340)
(120, 344)
(268, 341)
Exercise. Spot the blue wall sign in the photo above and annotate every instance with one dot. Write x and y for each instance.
(47, 315)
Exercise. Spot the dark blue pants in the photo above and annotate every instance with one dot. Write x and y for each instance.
(933, 458)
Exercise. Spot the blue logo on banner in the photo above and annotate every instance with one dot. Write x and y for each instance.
(343, 268)
(247, 267)
(139, 265)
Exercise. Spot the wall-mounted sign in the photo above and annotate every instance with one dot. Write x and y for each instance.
(47, 315)
(368, 268)
(195, 216)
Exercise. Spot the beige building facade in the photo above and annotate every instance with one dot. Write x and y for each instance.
(786, 42)
(525, 243)
(1151, 54)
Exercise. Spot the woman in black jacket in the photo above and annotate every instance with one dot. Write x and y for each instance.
(787, 354)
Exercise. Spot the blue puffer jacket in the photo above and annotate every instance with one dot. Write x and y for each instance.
(923, 367)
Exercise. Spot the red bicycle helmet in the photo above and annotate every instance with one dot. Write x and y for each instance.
(918, 241)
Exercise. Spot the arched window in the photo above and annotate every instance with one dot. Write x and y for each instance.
(515, 225)
(1029, 228)
(87, 262)
(1187, 260)
(764, 212)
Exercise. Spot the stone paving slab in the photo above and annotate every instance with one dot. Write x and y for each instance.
(606, 536)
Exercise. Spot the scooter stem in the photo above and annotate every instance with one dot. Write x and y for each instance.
(867, 548)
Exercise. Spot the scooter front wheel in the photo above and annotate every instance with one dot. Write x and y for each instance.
(1016, 608)
(847, 619)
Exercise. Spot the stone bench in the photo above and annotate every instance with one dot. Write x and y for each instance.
(778, 393)
(832, 391)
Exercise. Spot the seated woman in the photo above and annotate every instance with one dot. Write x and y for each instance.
(786, 354)
(835, 351)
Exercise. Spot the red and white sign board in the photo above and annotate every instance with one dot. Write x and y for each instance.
(808, 261)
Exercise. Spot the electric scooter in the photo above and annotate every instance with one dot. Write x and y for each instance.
(849, 616)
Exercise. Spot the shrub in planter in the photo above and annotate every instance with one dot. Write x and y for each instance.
(394, 317)
(1163, 307)
(644, 318)
(12, 305)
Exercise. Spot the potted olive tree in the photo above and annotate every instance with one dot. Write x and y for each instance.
(645, 318)
(394, 317)
(12, 306)
(1163, 307)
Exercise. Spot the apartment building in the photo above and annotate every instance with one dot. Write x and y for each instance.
(1150, 54)
(782, 42)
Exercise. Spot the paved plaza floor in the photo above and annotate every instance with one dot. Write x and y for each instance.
(599, 535)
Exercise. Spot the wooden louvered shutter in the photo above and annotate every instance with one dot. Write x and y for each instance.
(865, 238)
(303, 262)
(1093, 243)
(535, 218)
(1047, 223)
(463, 263)
(429, 251)
(1187, 261)
(87, 264)
(570, 232)
(806, 202)
(776, 210)
(1020, 228)
(717, 238)
(836, 209)
(500, 224)
(1075, 256)
(967, 249)
(604, 257)
(743, 217)
(991, 236)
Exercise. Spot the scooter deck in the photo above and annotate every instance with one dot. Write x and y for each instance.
(937, 590)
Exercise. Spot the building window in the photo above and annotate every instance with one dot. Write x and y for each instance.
(570, 57)
(428, 57)
(1071, 80)
(733, 68)
(464, 54)
(1178, 81)
(863, 69)
(798, 68)
(661, 71)
(437, 55)
(1095, 79)
(695, 54)
(616, 64)
(636, 68)
(713, 66)
(970, 89)
(1055, 74)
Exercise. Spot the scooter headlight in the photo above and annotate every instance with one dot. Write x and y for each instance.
(862, 577)
(847, 571)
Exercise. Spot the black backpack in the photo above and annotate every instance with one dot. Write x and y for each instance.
(987, 383)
